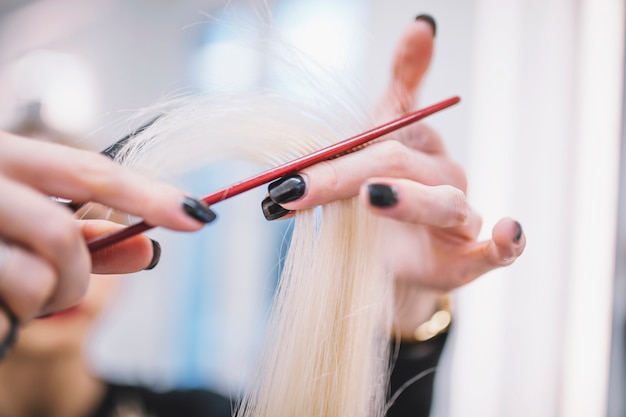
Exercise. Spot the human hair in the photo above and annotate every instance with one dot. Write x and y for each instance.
(326, 352)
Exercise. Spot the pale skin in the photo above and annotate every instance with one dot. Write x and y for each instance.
(46, 265)
(46, 374)
(432, 238)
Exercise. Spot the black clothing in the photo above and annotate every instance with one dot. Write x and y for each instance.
(130, 400)
(412, 360)
(409, 361)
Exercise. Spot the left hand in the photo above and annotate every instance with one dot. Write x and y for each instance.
(432, 235)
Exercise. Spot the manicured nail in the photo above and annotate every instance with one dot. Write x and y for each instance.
(382, 195)
(198, 210)
(272, 210)
(156, 255)
(429, 19)
(518, 235)
(287, 189)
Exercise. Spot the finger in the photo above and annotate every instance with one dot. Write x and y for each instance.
(274, 211)
(131, 255)
(342, 178)
(86, 176)
(411, 60)
(506, 245)
(412, 202)
(27, 283)
(421, 137)
(37, 225)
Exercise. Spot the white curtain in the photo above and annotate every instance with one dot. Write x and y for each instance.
(544, 97)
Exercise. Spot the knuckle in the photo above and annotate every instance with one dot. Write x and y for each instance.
(96, 175)
(69, 288)
(461, 207)
(75, 292)
(330, 174)
(423, 137)
(33, 289)
(61, 235)
(395, 156)
(37, 288)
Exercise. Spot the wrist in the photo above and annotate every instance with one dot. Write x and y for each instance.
(421, 314)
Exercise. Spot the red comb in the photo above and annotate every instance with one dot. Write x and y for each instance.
(288, 168)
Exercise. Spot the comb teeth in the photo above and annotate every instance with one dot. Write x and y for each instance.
(349, 145)
(359, 147)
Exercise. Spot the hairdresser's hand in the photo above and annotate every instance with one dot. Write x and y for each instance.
(432, 235)
(44, 260)
(433, 238)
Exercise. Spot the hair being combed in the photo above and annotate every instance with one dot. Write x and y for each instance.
(326, 352)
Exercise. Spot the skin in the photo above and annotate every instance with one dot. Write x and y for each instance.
(432, 220)
(46, 374)
(46, 264)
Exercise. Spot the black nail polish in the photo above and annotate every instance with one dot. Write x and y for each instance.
(518, 234)
(287, 189)
(429, 19)
(156, 255)
(382, 195)
(198, 210)
(272, 210)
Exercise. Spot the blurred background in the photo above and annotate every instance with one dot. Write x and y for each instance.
(539, 130)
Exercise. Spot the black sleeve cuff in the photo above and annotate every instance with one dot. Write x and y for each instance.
(413, 375)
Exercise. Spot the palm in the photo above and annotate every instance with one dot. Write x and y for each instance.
(430, 257)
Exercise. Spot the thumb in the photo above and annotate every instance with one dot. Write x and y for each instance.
(131, 255)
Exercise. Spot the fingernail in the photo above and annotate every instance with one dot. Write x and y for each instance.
(519, 233)
(429, 19)
(198, 210)
(287, 189)
(156, 255)
(382, 195)
(272, 210)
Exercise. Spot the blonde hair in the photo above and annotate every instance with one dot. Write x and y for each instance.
(327, 344)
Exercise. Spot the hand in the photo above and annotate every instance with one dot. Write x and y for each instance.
(432, 233)
(44, 260)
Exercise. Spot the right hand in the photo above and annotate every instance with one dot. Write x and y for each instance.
(44, 260)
